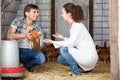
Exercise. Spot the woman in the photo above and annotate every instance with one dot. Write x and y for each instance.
(78, 50)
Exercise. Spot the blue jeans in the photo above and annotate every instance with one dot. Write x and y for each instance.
(31, 58)
(66, 59)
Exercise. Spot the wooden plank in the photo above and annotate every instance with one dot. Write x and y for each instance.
(52, 18)
(0, 39)
(119, 34)
(114, 40)
(91, 17)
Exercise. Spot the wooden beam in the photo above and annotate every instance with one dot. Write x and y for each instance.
(119, 34)
(0, 40)
(52, 18)
(114, 40)
(91, 17)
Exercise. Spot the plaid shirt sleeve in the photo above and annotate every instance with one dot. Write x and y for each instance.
(16, 22)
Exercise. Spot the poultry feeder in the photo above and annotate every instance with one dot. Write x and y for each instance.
(10, 60)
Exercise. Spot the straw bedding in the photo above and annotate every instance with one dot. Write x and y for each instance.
(55, 71)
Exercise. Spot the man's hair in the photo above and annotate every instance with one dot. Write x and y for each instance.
(29, 7)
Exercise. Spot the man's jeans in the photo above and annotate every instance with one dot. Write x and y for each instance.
(31, 58)
(66, 59)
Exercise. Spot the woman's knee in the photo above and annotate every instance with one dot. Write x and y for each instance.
(59, 59)
(63, 49)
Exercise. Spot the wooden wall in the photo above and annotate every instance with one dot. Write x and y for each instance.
(114, 30)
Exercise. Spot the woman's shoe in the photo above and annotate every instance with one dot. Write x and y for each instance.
(74, 75)
(87, 71)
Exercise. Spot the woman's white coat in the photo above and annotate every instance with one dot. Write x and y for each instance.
(80, 46)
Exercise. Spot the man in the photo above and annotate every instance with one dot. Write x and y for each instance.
(20, 30)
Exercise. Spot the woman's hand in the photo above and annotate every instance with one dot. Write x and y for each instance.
(47, 41)
(59, 36)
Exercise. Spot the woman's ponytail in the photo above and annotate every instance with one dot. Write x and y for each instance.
(75, 10)
(79, 15)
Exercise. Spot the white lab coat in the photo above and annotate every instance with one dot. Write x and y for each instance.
(80, 46)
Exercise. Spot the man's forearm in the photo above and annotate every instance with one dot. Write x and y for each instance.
(16, 36)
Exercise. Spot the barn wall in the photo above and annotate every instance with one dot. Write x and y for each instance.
(101, 21)
(101, 27)
(61, 26)
(9, 9)
(100, 17)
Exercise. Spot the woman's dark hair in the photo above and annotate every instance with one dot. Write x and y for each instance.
(75, 10)
(29, 7)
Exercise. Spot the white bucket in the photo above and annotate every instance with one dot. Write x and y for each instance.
(10, 53)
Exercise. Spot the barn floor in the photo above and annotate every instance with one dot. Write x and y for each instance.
(55, 71)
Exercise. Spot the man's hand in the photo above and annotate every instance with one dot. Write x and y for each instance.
(29, 36)
(35, 34)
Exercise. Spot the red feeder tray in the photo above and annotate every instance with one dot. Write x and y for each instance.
(12, 71)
